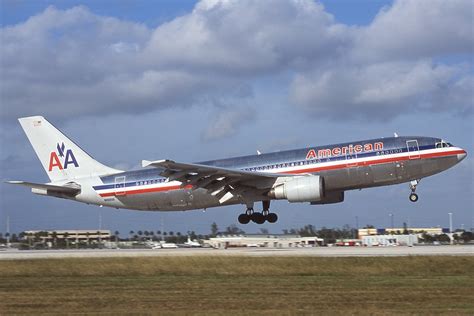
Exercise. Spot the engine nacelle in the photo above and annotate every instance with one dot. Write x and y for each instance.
(300, 189)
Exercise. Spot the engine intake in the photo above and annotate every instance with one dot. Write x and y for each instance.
(300, 189)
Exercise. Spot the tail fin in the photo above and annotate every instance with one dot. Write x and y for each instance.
(61, 158)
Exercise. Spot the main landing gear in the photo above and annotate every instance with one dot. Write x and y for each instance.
(258, 217)
(413, 196)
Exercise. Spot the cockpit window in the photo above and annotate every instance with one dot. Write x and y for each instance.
(443, 144)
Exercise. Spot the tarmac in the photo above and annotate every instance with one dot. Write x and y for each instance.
(444, 250)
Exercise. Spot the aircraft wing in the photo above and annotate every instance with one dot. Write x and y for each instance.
(221, 182)
(70, 190)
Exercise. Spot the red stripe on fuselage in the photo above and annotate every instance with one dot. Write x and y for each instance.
(147, 190)
(374, 162)
(307, 170)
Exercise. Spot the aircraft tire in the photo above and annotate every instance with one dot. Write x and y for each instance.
(272, 217)
(258, 218)
(244, 219)
(413, 197)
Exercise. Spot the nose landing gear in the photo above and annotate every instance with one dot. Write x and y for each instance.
(413, 196)
(257, 217)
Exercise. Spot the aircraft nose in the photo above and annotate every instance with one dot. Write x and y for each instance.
(462, 155)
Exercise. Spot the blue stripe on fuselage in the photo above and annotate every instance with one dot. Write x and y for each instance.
(398, 144)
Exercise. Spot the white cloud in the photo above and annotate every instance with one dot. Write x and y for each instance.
(246, 37)
(226, 122)
(383, 90)
(73, 62)
(418, 29)
(390, 66)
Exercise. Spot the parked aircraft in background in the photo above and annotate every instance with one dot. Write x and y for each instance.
(317, 175)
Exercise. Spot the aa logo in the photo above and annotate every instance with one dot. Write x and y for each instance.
(67, 157)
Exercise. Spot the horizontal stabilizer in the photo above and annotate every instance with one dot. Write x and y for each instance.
(73, 189)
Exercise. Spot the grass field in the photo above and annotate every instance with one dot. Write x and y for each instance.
(239, 285)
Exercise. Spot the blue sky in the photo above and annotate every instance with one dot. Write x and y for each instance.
(189, 81)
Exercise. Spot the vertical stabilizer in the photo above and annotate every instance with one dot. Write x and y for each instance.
(61, 158)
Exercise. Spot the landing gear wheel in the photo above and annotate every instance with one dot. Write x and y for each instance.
(258, 218)
(413, 197)
(244, 219)
(272, 217)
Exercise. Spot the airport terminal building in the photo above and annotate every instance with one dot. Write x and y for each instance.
(267, 241)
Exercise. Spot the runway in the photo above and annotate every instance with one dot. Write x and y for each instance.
(457, 250)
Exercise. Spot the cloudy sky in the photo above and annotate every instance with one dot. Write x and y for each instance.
(189, 81)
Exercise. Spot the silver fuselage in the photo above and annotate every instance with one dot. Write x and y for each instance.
(346, 166)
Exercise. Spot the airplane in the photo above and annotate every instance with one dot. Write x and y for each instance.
(317, 175)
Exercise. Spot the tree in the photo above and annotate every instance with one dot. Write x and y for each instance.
(467, 236)
(116, 234)
(131, 234)
(192, 235)
(99, 237)
(427, 237)
(55, 236)
(234, 230)
(307, 231)
(405, 229)
(443, 238)
(214, 229)
(87, 236)
(264, 231)
(66, 237)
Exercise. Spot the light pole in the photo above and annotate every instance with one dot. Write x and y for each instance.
(8, 231)
(451, 227)
(450, 222)
(357, 228)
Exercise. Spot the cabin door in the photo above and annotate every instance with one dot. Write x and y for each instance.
(413, 149)
(120, 186)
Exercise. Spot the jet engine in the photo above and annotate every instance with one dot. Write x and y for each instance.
(300, 189)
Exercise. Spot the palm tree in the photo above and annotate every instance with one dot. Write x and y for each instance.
(87, 235)
(140, 233)
(99, 238)
(131, 234)
(66, 236)
(55, 236)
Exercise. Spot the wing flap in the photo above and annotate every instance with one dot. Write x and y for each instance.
(223, 183)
